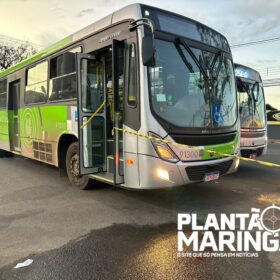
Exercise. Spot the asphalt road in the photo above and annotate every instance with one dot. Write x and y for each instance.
(274, 132)
(110, 233)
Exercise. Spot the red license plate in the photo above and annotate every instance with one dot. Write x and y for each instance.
(253, 155)
(211, 176)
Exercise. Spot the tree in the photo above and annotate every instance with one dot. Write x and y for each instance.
(11, 54)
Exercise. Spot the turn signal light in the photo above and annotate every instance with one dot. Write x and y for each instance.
(129, 161)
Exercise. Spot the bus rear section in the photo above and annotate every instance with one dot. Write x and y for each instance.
(252, 111)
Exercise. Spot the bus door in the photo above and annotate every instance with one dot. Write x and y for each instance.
(13, 107)
(118, 93)
(91, 114)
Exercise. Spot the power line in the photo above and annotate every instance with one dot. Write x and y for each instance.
(269, 71)
(271, 82)
(272, 85)
(11, 40)
(265, 67)
(255, 42)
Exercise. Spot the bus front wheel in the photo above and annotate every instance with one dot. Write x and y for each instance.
(72, 168)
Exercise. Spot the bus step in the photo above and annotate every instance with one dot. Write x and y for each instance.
(105, 177)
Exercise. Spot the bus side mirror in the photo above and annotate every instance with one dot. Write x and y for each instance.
(148, 50)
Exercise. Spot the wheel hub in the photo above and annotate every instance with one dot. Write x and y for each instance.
(74, 165)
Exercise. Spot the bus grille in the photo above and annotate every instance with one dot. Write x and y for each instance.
(204, 140)
(253, 134)
(197, 173)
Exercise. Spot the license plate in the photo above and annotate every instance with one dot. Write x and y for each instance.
(211, 176)
(246, 143)
(253, 155)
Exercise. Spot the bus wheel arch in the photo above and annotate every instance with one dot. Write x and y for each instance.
(68, 150)
(72, 168)
(64, 142)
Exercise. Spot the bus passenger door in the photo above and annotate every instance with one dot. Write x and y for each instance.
(13, 106)
(91, 114)
(118, 93)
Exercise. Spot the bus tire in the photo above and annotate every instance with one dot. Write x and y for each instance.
(72, 168)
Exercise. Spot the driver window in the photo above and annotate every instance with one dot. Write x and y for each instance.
(132, 90)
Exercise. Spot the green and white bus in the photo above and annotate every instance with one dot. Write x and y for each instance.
(85, 103)
(252, 111)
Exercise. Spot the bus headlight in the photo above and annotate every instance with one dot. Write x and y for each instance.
(164, 152)
(163, 174)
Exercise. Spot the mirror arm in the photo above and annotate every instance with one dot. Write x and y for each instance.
(148, 48)
(142, 22)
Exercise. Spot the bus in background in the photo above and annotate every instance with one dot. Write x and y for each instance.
(84, 103)
(252, 112)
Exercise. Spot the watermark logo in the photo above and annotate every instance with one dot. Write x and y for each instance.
(270, 219)
(229, 235)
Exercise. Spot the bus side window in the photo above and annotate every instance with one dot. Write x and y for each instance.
(131, 97)
(63, 76)
(3, 93)
(132, 87)
(36, 84)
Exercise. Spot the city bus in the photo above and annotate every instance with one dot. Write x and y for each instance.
(143, 98)
(252, 111)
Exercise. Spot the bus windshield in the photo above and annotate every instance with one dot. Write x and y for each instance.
(252, 104)
(191, 87)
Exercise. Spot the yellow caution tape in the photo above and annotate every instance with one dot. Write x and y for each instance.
(273, 123)
(194, 147)
(145, 136)
(94, 114)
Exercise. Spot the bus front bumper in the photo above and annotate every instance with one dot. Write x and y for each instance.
(255, 145)
(156, 173)
(247, 151)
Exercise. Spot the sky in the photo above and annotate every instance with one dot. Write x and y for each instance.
(45, 22)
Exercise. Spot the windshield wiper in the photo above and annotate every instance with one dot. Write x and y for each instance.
(179, 42)
(220, 55)
(186, 62)
(246, 89)
(255, 98)
(207, 73)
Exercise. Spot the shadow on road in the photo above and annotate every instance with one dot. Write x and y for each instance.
(133, 252)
